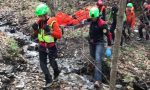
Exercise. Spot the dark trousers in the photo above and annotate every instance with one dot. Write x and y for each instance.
(51, 53)
(141, 26)
(124, 35)
(112, 30)
(128, 27)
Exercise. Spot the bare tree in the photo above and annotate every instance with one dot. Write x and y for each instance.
(114, 67)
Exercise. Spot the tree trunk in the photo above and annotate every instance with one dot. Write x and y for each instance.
(116, 50)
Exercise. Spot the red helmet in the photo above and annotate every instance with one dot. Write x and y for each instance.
(99, 2)
(148, 7)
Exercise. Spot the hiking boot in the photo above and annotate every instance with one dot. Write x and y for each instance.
(48, 84)
(56, 74)
(140, 39)
(97, 84)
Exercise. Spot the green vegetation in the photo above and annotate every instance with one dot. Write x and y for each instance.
(12, 45)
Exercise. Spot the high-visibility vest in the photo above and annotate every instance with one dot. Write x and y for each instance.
(42, 37)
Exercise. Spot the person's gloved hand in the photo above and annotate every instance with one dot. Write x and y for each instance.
(108, 52)
(36, 40)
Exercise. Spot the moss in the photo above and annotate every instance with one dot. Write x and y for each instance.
(12, 46)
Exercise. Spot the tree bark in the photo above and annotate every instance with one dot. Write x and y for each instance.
(116, 50)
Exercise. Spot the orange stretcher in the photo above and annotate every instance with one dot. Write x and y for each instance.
(67, 20)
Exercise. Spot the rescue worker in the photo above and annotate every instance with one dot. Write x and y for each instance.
(102, 9)
(98, 28)
(144, 22)
(47, 30)
(113, 17)
(129, 23)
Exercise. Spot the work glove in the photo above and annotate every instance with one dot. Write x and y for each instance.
(33, 39)
(108, 52)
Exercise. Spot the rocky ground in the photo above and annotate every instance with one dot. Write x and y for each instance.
(20, 65)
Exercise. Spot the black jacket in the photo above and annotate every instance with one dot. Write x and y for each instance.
(114, 11)
(96, 32)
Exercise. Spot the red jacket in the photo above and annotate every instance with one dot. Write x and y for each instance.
(56, 30)
(130, 17)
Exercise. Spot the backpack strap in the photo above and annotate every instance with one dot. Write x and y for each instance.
(51, 25)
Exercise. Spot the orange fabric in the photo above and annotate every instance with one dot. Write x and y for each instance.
(82, 14)
(74, 22)
(56, 30)
(63, 19)
(130, 16)
(79, 16)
